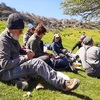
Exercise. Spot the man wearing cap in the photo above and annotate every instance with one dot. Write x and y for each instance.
(16, 63)
(78, 44)
(29, 33)
(90, 57)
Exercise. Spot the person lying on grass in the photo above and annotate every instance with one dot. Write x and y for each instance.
(16, 63)
(90, 57)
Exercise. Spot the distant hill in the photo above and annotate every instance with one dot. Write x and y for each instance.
(50, 23)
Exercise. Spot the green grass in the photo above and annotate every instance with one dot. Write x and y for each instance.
(88, 90)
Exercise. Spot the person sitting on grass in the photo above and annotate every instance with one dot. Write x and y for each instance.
(61, 53)
(29, 33)
(16, 63)
(78, 44)
(90, 57)
(49, 46)
(57, 47)
(36, 44)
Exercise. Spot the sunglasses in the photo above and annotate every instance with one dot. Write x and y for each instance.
(57, 37)
(20, 31)
(33, 29)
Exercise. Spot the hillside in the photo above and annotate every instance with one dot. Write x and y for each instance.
(50, 23)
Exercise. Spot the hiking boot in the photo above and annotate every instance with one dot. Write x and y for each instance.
(20, 84)
(71, 84)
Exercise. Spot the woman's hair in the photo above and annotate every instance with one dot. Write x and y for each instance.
(40, 29)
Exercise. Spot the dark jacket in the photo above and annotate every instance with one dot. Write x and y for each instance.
(10, 52)
(41, 45)
(26, 36)
(34, 43)
(57, 48)
(78, 44)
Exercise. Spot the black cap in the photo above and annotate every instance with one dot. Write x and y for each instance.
(15, 21)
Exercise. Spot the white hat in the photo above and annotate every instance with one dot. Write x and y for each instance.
(57, 35)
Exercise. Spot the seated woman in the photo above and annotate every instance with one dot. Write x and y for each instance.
(57, 46)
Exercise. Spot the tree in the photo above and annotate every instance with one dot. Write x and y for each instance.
(88, 9)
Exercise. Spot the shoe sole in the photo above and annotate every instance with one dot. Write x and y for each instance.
(74, 86)
(77, 82)
(23, 85)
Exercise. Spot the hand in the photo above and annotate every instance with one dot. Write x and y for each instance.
(30, 54)
(57, 57)
(28, 50)
(71, 51)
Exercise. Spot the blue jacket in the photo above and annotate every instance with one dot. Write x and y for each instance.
(57, 48)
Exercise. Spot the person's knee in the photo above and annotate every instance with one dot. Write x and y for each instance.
(61, 55)
(45, 58)
(64, 50)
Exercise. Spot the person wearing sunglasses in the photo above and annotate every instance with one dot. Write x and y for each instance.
(35, 43)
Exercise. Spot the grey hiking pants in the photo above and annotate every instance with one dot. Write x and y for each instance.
(45, 58)
(35, 67)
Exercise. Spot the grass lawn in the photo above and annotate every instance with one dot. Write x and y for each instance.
(88, 90)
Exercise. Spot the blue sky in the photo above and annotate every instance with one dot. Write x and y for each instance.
(47, 8)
